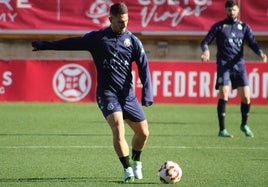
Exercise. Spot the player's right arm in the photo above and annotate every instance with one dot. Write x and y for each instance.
(206, 42)
(75, 43)
(205, 56)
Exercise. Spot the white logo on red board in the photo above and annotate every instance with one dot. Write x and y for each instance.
(9, 9)
(99, 12)
(72, 82)
(5, 81)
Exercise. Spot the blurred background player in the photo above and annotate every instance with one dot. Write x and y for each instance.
(231, 34)
(113, 50)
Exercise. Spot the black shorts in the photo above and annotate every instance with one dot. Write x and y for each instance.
(131, 109)
(236, 75)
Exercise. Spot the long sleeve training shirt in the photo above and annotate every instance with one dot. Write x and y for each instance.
(113, 55)
(230, 38)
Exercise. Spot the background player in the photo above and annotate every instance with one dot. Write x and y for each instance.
(231, 34)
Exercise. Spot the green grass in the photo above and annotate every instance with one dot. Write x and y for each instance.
(70, 144)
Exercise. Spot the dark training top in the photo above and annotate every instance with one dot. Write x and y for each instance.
(230, 37)
(113, 55)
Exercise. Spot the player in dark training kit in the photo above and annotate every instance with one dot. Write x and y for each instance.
(113, 50)
(231, 34)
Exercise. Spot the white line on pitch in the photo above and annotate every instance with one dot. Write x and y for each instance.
(207, 147)
(149, 147)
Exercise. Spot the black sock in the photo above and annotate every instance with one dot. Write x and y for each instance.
(221, 113)
(244, 108)
(136, 155)
(125, 161)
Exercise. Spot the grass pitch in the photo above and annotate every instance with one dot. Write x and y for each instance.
(70, 144)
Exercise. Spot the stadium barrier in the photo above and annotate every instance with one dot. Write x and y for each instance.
(75, 81)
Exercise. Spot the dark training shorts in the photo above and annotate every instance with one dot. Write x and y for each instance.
(235, 75)
(132, 109)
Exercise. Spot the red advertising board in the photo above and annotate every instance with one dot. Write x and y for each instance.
(47, 80)
(75, 81)
(145, 15)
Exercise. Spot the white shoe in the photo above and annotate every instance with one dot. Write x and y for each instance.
(128, 175)
(137, 166)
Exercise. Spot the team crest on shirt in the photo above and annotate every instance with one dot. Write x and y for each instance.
(127, 42)
(239, 27)
(105, 38)
(220, 80)
(110, 106)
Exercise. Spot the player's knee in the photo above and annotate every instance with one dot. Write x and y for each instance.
(145, 134)
(245, 100)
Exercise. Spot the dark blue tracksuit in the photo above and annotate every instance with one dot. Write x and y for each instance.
(230, 37)
(113, 55)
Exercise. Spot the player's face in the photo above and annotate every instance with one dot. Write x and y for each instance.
(119, 23)
(232, 12)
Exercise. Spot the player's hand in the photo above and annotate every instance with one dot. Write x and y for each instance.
(263, 57)
(34, 49)
(205, 56)
(35, 45)
(147, 103)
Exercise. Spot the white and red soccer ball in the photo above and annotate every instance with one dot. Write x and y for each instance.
(170, 172)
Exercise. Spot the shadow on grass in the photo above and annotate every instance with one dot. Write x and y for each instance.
(171, 123)
(71, 180)
(40, 134)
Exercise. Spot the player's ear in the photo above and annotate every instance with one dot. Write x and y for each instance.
(110, 19)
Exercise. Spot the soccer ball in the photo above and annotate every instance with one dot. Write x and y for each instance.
(170, 173)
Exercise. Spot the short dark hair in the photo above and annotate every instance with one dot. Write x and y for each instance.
(230, 3)
(118, 9)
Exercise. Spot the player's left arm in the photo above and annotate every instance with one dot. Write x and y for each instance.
(144, 74)
(253, 44)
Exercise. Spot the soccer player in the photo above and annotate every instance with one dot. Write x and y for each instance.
(113, 50)
(231, 34)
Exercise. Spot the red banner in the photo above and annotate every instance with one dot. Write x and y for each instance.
(75, 81)
(145, 15)
(47, 80)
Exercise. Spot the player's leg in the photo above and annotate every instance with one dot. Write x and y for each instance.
(112, 112)
(121, 148)
(223, 85)
(139, 140)
(242, 84)
(221, 109)
(115, 120)
(135, 117)
(244, 94)
(141, 133)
